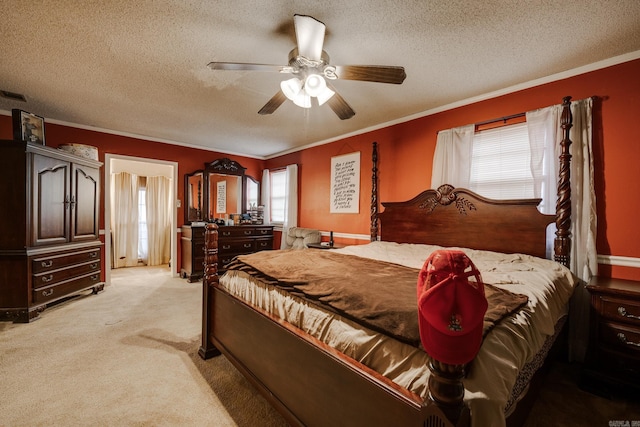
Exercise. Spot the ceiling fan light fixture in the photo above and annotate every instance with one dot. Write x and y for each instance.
(314, 84)
(291, 88)
(302, 100)
(325, 95)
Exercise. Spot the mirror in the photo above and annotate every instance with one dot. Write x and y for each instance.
(194, 198)
(251, 194)
(227, 190)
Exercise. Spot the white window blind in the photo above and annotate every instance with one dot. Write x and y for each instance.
(278, 195)
(500, 165)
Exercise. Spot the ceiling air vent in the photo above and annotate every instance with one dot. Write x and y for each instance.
(13, 95)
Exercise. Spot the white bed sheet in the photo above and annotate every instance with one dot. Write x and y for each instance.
(505, 350)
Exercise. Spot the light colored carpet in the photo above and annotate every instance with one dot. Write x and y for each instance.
(125, 357)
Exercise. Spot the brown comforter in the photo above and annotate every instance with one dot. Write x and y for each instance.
(376, 294)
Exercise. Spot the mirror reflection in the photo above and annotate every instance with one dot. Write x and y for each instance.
(194, 197)
(252, 194)
(225, 195)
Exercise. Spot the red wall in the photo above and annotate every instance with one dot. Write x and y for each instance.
(406, 154)
(406, 150)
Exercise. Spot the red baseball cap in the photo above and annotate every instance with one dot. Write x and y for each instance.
(451, 307)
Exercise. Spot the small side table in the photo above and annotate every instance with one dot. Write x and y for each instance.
(613, 359)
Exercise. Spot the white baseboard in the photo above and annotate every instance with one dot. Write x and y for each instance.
(622, 261)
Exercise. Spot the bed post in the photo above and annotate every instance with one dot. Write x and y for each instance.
(209, 279)
(562, 244)
(446, 392)
(374, 193)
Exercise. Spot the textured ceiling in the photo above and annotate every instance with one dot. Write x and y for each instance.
(139, 68)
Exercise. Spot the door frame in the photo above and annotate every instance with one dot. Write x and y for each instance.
(108, 162)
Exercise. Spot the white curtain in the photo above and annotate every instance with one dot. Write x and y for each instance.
(265, 196)
(124, 219)
(544, 125)
(452, 157)
(291, 202)
(158, 202)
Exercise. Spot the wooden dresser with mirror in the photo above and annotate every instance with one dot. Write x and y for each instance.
(218, 193)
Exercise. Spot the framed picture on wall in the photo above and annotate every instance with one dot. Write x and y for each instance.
(27, 127)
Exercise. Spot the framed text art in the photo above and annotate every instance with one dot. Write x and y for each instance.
(27, 127)
(345, 183)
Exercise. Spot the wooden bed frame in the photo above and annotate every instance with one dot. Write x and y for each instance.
(310, 383)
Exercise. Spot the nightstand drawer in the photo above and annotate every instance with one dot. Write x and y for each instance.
(620, 337)
(620, 311)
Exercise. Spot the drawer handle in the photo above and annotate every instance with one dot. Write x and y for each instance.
(623, 338)
(47, 264)
(247, 232)
(94, 278)
(247, 245)
(623, 312)
(47, 292)
(47, 279)
(226, 246)
(93, 254)
(226, 233)
(93, 265)
(264, 231)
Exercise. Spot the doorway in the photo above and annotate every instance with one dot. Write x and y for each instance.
(141, 167)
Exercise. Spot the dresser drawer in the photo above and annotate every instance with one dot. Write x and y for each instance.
(235, 232)
(54, 262)
(264, 244)
(620, 310)
(64, 288)
(223, 260)
(53, 277)
(264, 232)
(240, 246)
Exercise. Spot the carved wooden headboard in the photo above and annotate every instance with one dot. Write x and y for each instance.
(452, 216)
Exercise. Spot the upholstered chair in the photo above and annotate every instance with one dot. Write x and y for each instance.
(299, 238)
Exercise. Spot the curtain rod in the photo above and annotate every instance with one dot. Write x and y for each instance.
(500, 119)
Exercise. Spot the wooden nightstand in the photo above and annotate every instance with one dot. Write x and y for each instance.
(613, 360)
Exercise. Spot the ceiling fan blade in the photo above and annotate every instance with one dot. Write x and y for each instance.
(235, 66)
(273, 104)
(371, 73)
(340, 106)
(310, 36)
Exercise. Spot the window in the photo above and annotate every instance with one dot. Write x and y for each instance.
(278, 195)
(500, 165)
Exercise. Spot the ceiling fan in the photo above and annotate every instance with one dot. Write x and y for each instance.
(309, 65)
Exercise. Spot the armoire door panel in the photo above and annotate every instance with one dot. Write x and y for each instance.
(51, 200)
(85, 198)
